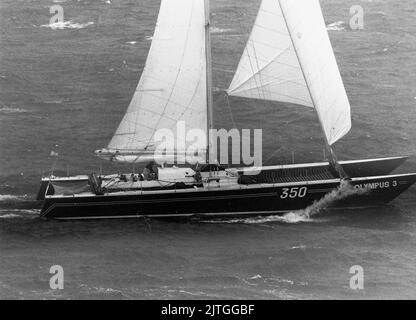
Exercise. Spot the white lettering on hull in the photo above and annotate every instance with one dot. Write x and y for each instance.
(377, 185)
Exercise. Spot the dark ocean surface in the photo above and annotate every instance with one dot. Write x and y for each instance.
(66, 91)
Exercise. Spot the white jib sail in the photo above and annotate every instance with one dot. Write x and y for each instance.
(289, 58)
(269, 68)
(173, 86)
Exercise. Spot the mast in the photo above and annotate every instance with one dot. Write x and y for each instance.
(209, 77)
(333, 160)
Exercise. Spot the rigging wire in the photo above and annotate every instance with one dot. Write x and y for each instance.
(230, 110)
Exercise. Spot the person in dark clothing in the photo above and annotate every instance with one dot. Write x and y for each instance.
(150, 172)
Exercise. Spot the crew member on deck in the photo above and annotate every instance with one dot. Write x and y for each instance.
(146, 174)
(150, 172)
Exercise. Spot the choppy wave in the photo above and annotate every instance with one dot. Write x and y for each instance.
(52, 101)
(9, 216)
(17, 213)
(380, 51)
(291, 217)
(254, 280)
(101, 291)
(67, 25)
(12, 197)
(8, 110)
(336, 26)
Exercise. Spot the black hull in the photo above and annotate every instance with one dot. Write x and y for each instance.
(260, 200)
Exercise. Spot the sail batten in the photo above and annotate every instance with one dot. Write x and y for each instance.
(289, 58)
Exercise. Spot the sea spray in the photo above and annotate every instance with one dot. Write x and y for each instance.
(344, 190)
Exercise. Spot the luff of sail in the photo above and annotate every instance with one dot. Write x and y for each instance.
(289, 58)
(172, 88)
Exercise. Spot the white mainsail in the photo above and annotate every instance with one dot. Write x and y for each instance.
(173, 85)
(289, 58)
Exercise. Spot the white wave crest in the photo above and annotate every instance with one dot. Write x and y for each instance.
(18, 213)
(22, 211)
(67, 25)
(9, 216)
(291, 217)
(8, 110)
(11, 197)
(336, 26)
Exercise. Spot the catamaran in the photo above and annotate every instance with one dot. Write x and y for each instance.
(288, 58)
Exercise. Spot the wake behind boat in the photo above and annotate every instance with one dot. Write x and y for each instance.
(288, 58)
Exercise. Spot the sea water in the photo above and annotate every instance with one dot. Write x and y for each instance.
(64, 89)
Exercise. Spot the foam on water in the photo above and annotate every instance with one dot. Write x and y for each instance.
(336, 26)
(291, 217)
(18, 213)
(67, 25)
(21, 211)
(9, 216)
(101, 291)
(11, 197)
(8, 110)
